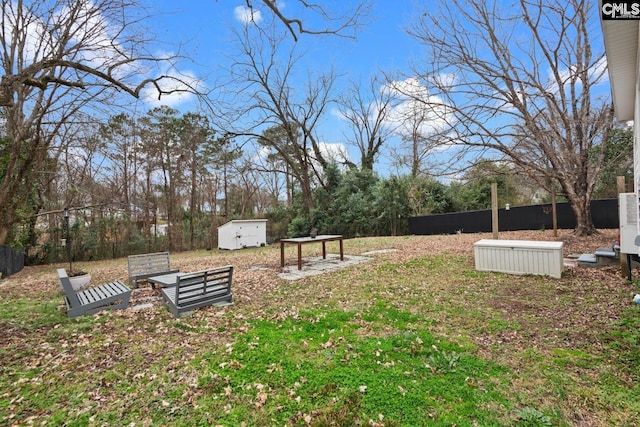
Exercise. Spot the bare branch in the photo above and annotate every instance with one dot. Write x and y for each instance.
(58, 59)
(338, 23)
(519, 85)
(286, 111)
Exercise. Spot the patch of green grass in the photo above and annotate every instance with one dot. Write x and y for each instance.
(532, 417)
(323, 365)
(34, 313)
(434, 262)
(185, 327)
(497, 324)
(425, 341)
(566, 357)
(625, 340)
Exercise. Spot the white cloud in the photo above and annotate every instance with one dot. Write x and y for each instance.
(334, 152)
(416, 110)
(246, 15)
(90, 42)
(335, 112)
(36, 35)
(93, 43)
(405, 89)
(94, 36)
(181, 85)
(600, 70)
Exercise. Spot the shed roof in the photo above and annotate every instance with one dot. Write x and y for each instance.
(241, 221)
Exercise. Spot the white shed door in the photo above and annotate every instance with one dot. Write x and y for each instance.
(247, 236)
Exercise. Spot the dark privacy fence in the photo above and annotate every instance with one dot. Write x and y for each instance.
(534, 217)
(10, 261)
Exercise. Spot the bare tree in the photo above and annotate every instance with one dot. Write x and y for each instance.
(60, 57)
(416, 142)
(197, 140)
(159, 131)
(119, 137)
(273, 175)
(286, 108)
(367, 110)
(519, 82)
(421, 131)
(246, 190)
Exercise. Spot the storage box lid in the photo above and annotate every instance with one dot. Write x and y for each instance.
(518, 244)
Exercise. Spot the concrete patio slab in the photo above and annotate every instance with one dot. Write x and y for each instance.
(312, 266)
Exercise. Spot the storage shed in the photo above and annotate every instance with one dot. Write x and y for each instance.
(242, 233)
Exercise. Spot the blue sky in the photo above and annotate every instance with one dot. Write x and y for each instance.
(202, 30)
(204, 27)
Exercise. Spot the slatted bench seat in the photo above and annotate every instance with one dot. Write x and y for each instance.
(109, 296)
(199, 289)
(143, 266)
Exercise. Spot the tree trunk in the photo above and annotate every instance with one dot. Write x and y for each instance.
(581, 207)
(4, 233)
(192, 208)
(307, 195)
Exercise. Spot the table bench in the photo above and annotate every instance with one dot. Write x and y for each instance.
(199, 289)
(324, 238)
(143, 266)
(109, 296)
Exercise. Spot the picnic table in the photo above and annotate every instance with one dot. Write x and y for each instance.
(323, 238)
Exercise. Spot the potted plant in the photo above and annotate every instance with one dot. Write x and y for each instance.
(79, 279)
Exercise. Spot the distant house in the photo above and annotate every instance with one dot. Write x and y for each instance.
(242, 233)
(159, 229)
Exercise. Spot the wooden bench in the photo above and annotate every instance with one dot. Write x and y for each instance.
(143, 266)
(109, 296)
(199, 289)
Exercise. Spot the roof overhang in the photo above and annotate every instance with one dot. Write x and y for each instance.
(621, 47)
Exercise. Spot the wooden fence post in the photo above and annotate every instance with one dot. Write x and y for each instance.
(494, 209)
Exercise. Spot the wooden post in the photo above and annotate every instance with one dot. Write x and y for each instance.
(494, 209)
(624, 267)
(554, 212)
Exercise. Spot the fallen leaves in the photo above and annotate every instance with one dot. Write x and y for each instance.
(574, 308)
(261, 399)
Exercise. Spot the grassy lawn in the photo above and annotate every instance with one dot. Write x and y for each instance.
(415, 336)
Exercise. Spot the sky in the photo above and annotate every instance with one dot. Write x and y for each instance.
(202, 30)
(204, 27)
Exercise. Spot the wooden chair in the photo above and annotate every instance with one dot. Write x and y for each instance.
(109, 296)
(143, 266)
(199, 289)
